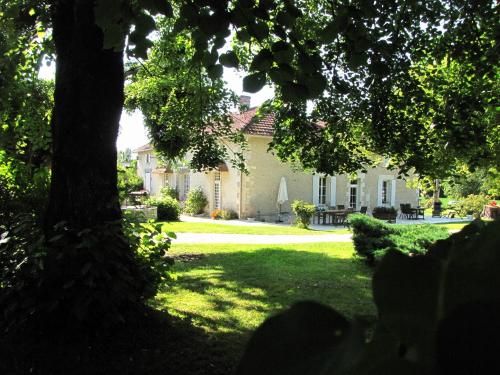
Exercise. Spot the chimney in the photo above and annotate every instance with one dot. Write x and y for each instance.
(244, 103)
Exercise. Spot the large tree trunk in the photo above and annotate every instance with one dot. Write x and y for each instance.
(88, 105)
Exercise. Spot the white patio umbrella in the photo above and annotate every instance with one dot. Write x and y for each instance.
(282, 195)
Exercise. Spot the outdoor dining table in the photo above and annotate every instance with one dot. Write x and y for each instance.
(416, 212)
(331, 216)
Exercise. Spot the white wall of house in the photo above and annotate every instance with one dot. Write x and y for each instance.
(255, 194)
(146, 164)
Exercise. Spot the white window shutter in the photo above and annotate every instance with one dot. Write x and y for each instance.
(333, 191)
(315, 196)
(379, 191)
(393, 193)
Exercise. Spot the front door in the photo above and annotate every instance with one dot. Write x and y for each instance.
(217, 191)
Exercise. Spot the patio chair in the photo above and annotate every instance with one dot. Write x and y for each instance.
(406, 211)
(339, 218)
(363, 210)
(319, 214)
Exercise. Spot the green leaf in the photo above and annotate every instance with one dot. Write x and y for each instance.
(215, 71)
(379, 68)
(141, 48)
(229, 59)
(189, 13)
(341, 86)
(285, 19)
(209, 58)
(157, 6)
(243, 35)
(292, 9)
(240, 17)
(316, 84)
(329, 33)
(219, 42)
(259, 31)
(263, 61)
(209, 25)
(282, 74)
(106, 11)
(309, 338)
(282, 52)
(254, 82)
(407, 309)
(341, 21)
(164, 7)
(144, 24)
(292, 92)
(357, 60)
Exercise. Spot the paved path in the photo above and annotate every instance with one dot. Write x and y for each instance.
(278, 238)
(258, 238)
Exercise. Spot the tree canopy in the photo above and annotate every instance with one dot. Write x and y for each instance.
(415, 83)
(186, 108)
(412, 81)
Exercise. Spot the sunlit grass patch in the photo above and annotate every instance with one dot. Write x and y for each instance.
(195, 227)
(233, 288)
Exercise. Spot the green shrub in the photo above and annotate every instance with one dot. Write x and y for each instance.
(228, 215)
(169, 191)
(70, 272)
(128, 181)
(304, 212)
(385, 213)
(195, 202)
(168, 209)
(151, 245)
(384, 210)
(133, 216)
(373, 238)
(472, 205)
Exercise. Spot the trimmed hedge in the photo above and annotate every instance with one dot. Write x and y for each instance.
(304, 212)
(168, 209)
(373, 238)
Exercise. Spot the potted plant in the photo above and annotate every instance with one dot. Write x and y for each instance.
(385, 213)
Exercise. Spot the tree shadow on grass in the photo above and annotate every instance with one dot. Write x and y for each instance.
(231, 293)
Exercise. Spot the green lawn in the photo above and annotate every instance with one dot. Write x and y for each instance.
(192, 227)
(454, 226)
(231, 289)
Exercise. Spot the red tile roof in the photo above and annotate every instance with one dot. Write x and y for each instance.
(250, 123)
(146, 147)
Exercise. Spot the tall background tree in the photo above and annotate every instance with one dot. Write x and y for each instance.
(365, 66)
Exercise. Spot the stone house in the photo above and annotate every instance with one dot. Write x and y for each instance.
(255, 195)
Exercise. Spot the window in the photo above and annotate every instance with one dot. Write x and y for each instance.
(322, 191)
(353, 194)
(217, 194)
(185, 185)
(384, 191)
(148, 158)
(147, 181)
